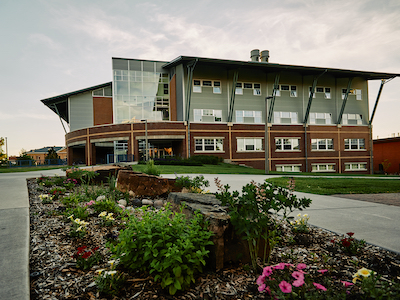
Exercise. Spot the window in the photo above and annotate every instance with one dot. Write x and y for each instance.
(293, 91)
(198, 84)
(208, 144)
(352, 119)
(288, 168)
(284, 87)
(239, 88)
(217, 87)
(320, 118)
(327, 93)
(257, 89)
(319, 89)
(287, 144)
(354, 144)
(166, 89)
(207, 115)
(248, 116)
(323, 168)
(248, 85)
(282, 117)
(358, 95)
(322, 144)
(249, 144)
(355, 166)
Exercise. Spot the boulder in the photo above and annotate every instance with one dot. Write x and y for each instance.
(144, 185)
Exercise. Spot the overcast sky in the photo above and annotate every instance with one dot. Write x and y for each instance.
(53, 47)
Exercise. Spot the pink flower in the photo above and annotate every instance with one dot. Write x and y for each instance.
(267, 271)
(268, 290)
(298, 275)
(323, 271)
(261, 287)
(279, 266)
(301, 266)
(319, 286)
(285, 287)
(260, 279)
(298, 282)
(346, 283)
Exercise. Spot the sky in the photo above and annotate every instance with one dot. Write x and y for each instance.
(52, 47)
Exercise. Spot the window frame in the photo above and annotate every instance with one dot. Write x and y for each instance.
(282, 144)
(357, 117)
(261, 143)
(286, 165)
(215, 113)
(348, 143)
(198, 88)
(254, 115)
(290, 117)
(203, 144)
(358, 166)
(323, 164)
(327, 144)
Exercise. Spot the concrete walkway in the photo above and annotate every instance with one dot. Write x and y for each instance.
(14, 233)
(376, 223)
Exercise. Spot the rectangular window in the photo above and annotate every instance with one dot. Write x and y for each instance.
(257, 89)
(358, 95)
(355, 166)
(354, 144)
(196, 86)
(319, 89)
(208, 144)
(249, 144)
(321, 118)
(283, 117)
(207, 83)
(248, 85)
(352, 119)
(327, 93)
(293, 91)
(217, 87)
(284, 87)
(323, 168)
(321, 144)
(288, 168)
(239, 88)
(248, 116)
(287, 144)
(207, 115)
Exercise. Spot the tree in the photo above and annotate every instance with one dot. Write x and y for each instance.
(52, 155)
(24, 158)
(3, 156)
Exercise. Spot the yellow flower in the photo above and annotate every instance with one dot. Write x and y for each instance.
(71, 217)
(79, 228)
(299, 215)
(99, 271)
(103, 214)
(111, 262)
(355, 279)
(305, 215)
(364, 272)
(111, 273)
(77, 220)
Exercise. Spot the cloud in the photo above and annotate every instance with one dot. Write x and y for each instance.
(44, 40)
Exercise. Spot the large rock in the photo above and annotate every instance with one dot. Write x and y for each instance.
(228, 247)
(144, 185)
(103, 173)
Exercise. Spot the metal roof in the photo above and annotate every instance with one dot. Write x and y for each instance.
(46, 149)
(273, 67)
(60, 102)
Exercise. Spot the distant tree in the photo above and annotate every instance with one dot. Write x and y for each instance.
(3, 156)
(24, 158)
(386, 165)
(52, 154)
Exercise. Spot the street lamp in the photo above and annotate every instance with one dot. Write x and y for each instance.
(146, 139)
(266, 146)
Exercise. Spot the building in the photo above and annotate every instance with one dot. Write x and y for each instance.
(40, 154)
(387, 155)
(309, 119)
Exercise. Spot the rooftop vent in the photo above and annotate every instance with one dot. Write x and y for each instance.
(255, 55)
(264, 55)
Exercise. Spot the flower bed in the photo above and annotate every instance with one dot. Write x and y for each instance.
(68, 266)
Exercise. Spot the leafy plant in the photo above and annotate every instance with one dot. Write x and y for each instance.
(151, 168)
(350, 245)
(300, 225)
(195, 185)
(83, 176)
(46, 199)
(87, 258)
(104, 205)
(165, 244)
(251, 213)
(78, 227)
(107, 218)
(78, 212)
(109, 282)
(70, 183)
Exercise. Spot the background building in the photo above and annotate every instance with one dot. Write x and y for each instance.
(308, 118)
(387, 155)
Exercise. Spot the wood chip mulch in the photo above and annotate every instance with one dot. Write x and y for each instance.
(54, 274)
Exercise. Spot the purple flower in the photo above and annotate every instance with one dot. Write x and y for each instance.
(261, 287)
(319, 286)
(279, 266)
(298, 275)
(267, 271)
(301, 266)
(285, 287)
(299, 282)
(260, 279)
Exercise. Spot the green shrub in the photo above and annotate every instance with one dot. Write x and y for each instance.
(165, 244)
(206, 159)
(195, 185)
(105, 205)
(151, 169)
(78, 212)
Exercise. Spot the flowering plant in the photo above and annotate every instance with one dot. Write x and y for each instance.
(70, 183)
(107, 218)
(109, 281)
(78, 227)
(300, 225)
(350, 245)
(286, 281)
(46, 199)
(86, 258)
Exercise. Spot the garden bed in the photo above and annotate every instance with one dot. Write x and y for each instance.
(54, 272)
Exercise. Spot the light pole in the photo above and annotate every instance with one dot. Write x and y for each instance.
(266, 135)
(6, 149)
(146, 139)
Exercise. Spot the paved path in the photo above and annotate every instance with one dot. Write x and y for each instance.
(376, 223)
(14, 233)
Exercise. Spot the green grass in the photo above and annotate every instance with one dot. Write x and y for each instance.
(205, 169)
(331, 186)
(28, 169)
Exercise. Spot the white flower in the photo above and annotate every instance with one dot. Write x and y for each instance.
(112, 273)
(299, 215)
(79, 228)
(103, 214)
(99, 271)
(111, 262)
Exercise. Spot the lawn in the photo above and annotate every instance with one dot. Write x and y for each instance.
(331, 186)
(28, 169)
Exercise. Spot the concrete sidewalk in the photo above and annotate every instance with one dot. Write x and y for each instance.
(14, 233)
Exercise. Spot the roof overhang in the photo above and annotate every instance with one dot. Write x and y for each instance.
(275, 68)
(59, 104)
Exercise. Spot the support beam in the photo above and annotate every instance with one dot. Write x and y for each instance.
(190, 68)
(233, 94)
(383, 81)
(344, 101)
(271, 105)
(310, 98)
(58, 114)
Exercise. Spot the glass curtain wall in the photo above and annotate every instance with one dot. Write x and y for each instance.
(140, 91)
